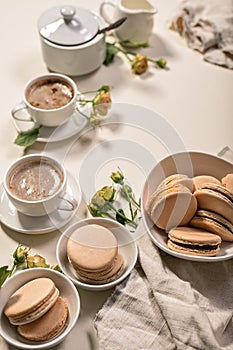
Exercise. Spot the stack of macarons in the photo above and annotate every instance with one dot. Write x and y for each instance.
(37, 310)
(93, 252)
(215, 208)
(197, 212)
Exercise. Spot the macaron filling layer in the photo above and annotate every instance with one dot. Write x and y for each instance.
(195, 246)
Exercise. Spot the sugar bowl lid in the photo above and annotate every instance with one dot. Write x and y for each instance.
(68, 25)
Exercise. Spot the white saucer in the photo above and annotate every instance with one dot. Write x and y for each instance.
(48, 134)
(16, 221)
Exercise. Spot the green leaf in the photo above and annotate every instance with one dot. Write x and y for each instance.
(4, 273)
(120, 218)
(130, 43)
(27, 138)
(111, 51)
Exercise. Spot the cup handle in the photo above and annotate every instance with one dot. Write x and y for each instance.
(72, 203)
(19, 108)
(103, 13)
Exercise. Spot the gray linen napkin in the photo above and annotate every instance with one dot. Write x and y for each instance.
(207, 26)
(169, 303)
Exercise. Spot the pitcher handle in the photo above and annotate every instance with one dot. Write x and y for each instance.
(103, 13)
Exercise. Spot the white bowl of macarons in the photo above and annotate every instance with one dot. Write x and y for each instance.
(39, 307)
(96, 253)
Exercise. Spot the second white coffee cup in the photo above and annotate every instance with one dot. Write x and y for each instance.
(36, 185)
(49, 100)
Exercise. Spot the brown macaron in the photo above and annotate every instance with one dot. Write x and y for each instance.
(172, 206)
(93, 252)
(31, 301)
(213, 222)
(201, 180)
(49, 325)
(215, 198)
(193, 241)
(227, 181)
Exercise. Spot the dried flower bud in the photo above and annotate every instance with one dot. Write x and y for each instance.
(102, 103)
(36, 261)
(108, 193)
(161, 63)
(117, 177)
(20, 255)
(102, 197)
(139, 65)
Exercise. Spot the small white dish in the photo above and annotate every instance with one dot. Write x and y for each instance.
(191, 164)
(126, 245)
(73, 126)
(67, 291)
(19, 222)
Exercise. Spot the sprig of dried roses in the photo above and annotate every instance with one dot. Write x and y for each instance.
(104, 202)
(23, 260)
(97, 110)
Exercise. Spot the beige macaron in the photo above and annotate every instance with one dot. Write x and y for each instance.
(213, 222)
(215, 198)
(92, 247)
(193, 241)
(49, 325)
(31, 301)
(171, 206)
(200, 180)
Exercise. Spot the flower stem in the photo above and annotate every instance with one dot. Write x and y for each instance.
(129, 200)
(89, 92)
(129, 221)
(136, 203)
(84, 115)
(86, 101)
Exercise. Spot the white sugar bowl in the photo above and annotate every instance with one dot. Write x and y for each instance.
(71, 40)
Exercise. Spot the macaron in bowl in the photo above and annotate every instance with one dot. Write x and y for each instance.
(49, 328)
(96, 253)
(192, 164)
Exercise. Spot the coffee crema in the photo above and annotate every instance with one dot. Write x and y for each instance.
(49, 94)
(35, 180)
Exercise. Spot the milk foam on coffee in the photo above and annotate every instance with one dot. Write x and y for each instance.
(49, 94)
(35, 180)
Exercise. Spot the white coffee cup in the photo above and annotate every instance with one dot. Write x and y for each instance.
(140, 18)
(36, 185)
(50, 116)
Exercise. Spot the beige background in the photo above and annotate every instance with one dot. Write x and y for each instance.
(195, 97)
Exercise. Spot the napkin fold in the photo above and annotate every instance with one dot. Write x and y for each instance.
(169, 303)
(207, 26)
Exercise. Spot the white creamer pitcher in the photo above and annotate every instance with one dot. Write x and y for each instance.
(140, 18)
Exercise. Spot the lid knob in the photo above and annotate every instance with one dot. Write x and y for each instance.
(68, 13)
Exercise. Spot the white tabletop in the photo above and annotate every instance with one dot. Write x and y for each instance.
(193, 96)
